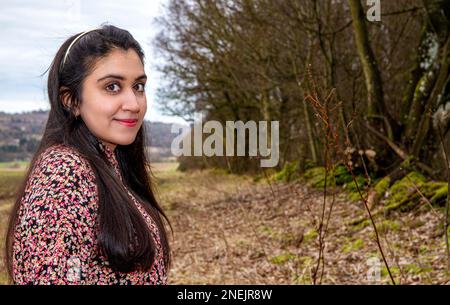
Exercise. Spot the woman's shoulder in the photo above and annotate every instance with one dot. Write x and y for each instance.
(63, 165)
(61, 176)
(61, 156)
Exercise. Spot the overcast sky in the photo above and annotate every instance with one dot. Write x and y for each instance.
(32, 31)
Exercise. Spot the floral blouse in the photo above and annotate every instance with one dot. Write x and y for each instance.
(55, 240)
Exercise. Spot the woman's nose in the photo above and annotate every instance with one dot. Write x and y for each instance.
(131, 101)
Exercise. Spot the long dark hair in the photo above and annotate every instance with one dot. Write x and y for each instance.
(117, 216)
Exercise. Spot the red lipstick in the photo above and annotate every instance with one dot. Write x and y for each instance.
(129, 123)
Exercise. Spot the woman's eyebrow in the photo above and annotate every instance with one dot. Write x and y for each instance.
(116, 76)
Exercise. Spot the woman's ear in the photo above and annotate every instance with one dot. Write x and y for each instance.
(67, 100)
(64, 94)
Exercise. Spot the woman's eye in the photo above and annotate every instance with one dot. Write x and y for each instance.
(140, 87)
(113, 88)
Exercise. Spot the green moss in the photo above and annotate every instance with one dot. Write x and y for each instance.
(388, 225)
(352, 189)
(361, 225)
(429, 188)
(353, 246)
(283, 258)
(315, 177)
(439, 195)
(310, 235)
(435, 191)
(305, 260)
(288, 173)
(403, 194)
(394, 271)
(303, 276)
(284, 238)
(342, 175)
(382, 185)
(423, 249)
(407, 162)
(356, 221)
(309, 164)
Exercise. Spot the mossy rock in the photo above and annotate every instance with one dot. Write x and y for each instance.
(342, 175)
(315, 176)
(382, 185)
(435, 191)
(402, 195)
(288, 173)
(353, 193)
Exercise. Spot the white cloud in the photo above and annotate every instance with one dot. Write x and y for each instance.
(14, 106)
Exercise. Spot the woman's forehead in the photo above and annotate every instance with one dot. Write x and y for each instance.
(125, 63)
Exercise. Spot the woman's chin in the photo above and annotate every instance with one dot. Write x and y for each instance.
(125, 141)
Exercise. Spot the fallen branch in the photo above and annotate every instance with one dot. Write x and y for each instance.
(400, 152)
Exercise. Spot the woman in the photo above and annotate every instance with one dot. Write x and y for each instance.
(86, 213)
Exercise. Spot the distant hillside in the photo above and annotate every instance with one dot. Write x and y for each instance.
(20, 134)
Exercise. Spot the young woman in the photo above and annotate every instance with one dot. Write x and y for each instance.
(86, 213)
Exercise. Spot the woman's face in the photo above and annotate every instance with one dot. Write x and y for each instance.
(113, 101)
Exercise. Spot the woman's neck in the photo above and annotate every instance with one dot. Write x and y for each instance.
(111, 146)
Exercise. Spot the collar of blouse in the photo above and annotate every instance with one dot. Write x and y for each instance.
(110, 155)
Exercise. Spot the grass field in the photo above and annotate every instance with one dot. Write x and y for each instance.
(11, 175)
(14, 165)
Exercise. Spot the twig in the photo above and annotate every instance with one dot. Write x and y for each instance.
(364, 200)
(332, 137)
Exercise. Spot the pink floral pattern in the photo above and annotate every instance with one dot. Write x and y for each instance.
(55, 237)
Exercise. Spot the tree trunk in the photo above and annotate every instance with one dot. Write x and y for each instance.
(438, 24)
(432, 102)
(369, 63)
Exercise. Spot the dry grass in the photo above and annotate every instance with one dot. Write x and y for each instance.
(229, 229)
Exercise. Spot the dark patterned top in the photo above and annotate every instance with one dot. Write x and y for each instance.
(55, 237)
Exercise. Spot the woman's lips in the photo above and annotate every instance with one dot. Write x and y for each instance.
(129, 123)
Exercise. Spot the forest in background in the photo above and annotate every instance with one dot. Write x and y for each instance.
(380, 87)
(362, 98)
